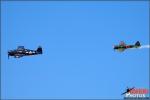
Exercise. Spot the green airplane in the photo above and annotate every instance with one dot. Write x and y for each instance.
(122, 46)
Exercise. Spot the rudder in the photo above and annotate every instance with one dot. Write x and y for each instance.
(39, 50)
(137, 43)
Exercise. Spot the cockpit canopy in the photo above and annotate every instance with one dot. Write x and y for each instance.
(20, 48)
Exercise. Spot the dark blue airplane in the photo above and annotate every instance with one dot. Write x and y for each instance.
(21, 51)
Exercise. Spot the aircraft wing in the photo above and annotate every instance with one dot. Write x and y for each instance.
(18, 55)
(121, 50)
(124, 93)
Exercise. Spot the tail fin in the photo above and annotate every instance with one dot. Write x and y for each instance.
(39, 50)
(137, 43)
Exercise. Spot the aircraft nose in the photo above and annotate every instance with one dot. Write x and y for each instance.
(114, 47)
(10, 53)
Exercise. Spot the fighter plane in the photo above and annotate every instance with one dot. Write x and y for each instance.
(21, 51)
(122, 46)
(127, 90)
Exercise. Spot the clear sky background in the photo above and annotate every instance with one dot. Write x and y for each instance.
(78, 59)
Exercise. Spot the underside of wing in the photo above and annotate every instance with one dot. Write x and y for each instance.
(18, 56)
(121, 49)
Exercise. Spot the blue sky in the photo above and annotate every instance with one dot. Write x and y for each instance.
(78, 59)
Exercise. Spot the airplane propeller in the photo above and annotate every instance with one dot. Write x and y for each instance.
(8, 56)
